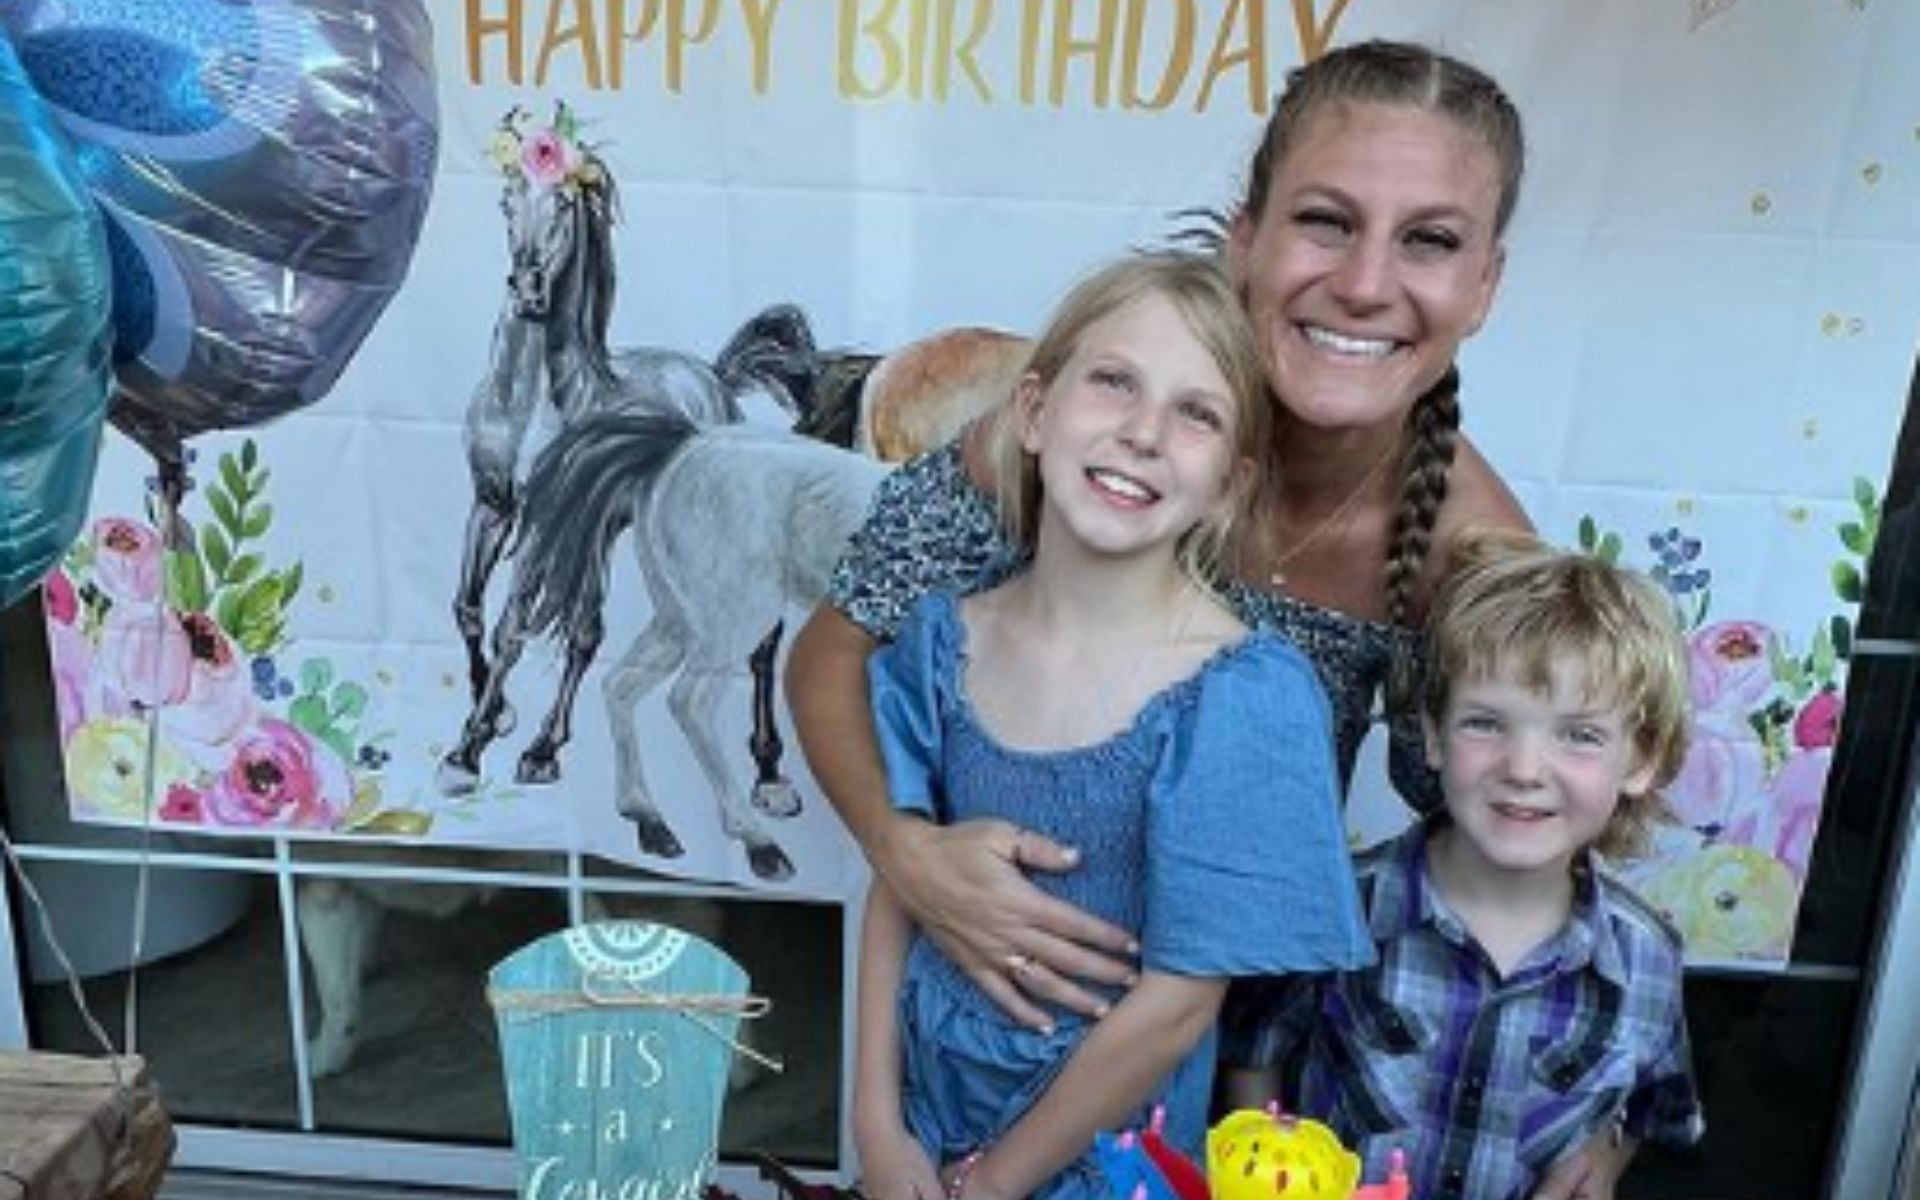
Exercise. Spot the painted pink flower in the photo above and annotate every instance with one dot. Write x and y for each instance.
(544, 157)
(146, 658)
(1730, 666)
(71, 657)
(126, 559)
(218, 702)
(1782, 820)
(1725, 767)
(281, 777)
(183, 806)
(1818, 724)
(59, 599)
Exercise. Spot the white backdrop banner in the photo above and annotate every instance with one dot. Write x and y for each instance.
(1696, 365)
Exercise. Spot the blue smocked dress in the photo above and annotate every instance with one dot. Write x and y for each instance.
(1210, 828)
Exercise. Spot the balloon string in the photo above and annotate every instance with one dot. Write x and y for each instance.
(172, 487)
(44, 920)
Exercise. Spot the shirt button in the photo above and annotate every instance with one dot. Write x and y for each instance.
(1475, 1087)
(1454, 1182)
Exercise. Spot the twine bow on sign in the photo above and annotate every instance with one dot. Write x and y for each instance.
(529, 1004)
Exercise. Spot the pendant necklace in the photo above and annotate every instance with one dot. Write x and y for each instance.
(1278, 575)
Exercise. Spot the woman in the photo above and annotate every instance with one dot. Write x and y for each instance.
(1367, 248)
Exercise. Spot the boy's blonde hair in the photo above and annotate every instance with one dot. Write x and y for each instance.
(1514, 606)
(1200, 292)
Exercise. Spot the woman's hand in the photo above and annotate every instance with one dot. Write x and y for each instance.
(964, 886)
(893, 1166)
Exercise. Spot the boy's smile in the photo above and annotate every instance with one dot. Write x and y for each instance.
(1532, 778)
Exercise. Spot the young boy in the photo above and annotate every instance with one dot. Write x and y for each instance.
(1525, 1006)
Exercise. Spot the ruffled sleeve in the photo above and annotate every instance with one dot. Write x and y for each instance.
(929, 529)
(908, 684)
(1247, 866)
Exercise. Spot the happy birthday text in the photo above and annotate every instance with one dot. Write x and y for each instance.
(1104, 54)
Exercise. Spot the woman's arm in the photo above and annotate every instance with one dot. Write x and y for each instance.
(893, 1164)
(962, 885)
(1110, 1075)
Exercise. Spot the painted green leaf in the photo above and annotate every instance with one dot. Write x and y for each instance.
(260, 620)
(290, 580)
(1589, 533)
(349, 700)
(1863, 493)
(308, 713)
(244, 568)
(249, 454)
(1821, 660)
(400, 821)
(186, 581)
(224, 509)
(1854, 537)
(1610, 548)
(227, 610)
(234, 479)
(1846, 582)
(1842, 637)
(219, 553)
(338, 740)
(315, 675)
(258, 520)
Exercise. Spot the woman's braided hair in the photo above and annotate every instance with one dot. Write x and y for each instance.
(1403, 73)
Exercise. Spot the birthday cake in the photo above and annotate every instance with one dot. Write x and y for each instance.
(1251, 1155)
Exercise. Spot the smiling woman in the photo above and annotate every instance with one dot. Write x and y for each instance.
(1362, 282)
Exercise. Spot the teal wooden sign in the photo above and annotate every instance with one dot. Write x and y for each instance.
(616, 1038)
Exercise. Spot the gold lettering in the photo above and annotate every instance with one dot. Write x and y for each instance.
(1173, 71)
(678, 38)
(876, 29)
(1315, 34)
(480, 28)
(1253, 56)
(947, 55)
(1029, 48)
(760, 16)
(582, 31)
(618, 34)
(1067, 47)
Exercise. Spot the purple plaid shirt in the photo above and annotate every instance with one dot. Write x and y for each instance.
(1485, 1082)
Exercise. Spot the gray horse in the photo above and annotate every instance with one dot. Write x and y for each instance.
(550, 345)
(550, 349)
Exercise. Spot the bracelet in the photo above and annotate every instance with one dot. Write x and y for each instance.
(957, 1186)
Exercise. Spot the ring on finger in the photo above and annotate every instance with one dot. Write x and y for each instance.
(1018, 963)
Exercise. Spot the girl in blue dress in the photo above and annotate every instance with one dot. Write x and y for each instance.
(1106, 698)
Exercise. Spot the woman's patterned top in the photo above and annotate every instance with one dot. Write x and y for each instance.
(931, 529)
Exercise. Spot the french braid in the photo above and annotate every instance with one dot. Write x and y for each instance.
(1433, 434)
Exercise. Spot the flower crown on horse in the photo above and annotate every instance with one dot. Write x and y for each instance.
(550, 155)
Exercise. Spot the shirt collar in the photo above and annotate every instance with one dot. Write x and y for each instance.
(1403, 898)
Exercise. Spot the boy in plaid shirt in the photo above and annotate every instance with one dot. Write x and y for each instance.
(1525, 1007)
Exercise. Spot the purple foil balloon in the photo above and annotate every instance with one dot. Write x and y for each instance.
(55, 332)
(264, 166)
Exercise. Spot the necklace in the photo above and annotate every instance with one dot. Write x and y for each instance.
(1335, 518)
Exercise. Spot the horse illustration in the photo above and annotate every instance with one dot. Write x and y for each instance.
(550, 344)
(733, 525)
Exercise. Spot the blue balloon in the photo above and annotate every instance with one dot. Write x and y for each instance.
(264, 167)
(55, 336)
